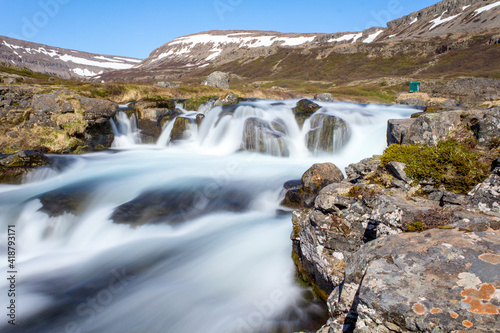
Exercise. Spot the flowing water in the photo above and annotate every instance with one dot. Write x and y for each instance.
(178, 236)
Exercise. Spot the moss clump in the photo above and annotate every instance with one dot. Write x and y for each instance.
(416, 226)
(452, 164)
(193, 104)
(358, 191)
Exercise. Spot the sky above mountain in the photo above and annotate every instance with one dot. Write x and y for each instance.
(134, 28)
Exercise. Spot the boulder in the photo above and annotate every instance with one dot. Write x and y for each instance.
(217, 80)
(317, 177)
(324, 97)
(180, 131)
(228, 99)
(259, 136)
(358, 171)
(397, 129)
(177, 205)
(303, 110)
(487, 128)
(429, 129)
(435, 281)
(328, 133)
(167, 84)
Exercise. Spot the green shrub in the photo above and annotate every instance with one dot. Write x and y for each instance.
(452, 164)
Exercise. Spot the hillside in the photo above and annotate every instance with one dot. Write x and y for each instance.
(59, 62)
(416, 44)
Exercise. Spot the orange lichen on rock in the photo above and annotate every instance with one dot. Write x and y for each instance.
(467, 324)
(419, 308)
(490, 258)
(476, 297)
(454, 301)
(453, 314)
(436, 310)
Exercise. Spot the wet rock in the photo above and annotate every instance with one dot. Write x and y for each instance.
(69, 199)
(435, 281)
(199, 119)
(258, 136)
(177, 205)
(13, 167)
(217, 79)
(303, 110)
(180, 131)
(149, 103)
(397, 129)
(328, 133)
(324, 97)
(279, 126)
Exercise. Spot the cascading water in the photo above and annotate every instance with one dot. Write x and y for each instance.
(181, 236)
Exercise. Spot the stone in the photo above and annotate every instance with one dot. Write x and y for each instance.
(397, 129)
(218, 80)
(228, 99)
(259, 136)
(488, 127)
(324, 97)
(180, 131)
(13, 167)
(328, 133)
(485, 196)
(397, 169)
(167, 84)
(434, 281)
(357, 171)
(303, 110)
(317, 177)
(429, 129)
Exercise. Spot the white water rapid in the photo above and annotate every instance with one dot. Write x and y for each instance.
(180, 236)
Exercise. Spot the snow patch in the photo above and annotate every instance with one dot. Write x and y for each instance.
(82, 61)
(486, 8)
(414, 20)
(440, 20)
(354, 38)
(85, 72)
(218, 41)
(373, 36)
(465, 7)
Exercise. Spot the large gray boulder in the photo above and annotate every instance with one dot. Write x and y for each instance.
(429, 129)
(324, 97)
(485, 197)
(217, 80)
(435, 281)
(487, 128)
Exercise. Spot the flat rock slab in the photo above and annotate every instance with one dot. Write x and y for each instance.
(434, 281)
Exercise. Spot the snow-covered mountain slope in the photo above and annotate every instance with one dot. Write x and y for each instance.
(445, 17)
(60, 62)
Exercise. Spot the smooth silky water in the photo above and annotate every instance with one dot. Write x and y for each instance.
(217, 260)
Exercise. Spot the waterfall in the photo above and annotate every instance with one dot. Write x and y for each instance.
(184, 236)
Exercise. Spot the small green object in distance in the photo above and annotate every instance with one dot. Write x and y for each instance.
(414, 87)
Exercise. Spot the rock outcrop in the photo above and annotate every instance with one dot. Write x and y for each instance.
(13, 167)
(303, 110)
(349, 244)
(55, 122)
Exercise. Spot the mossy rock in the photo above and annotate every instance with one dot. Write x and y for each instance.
(193, 104)
(303, 110)
(181, 125)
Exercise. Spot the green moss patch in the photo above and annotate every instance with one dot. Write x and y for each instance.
(450, 163)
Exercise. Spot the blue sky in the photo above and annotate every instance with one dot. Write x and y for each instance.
(135, 28)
